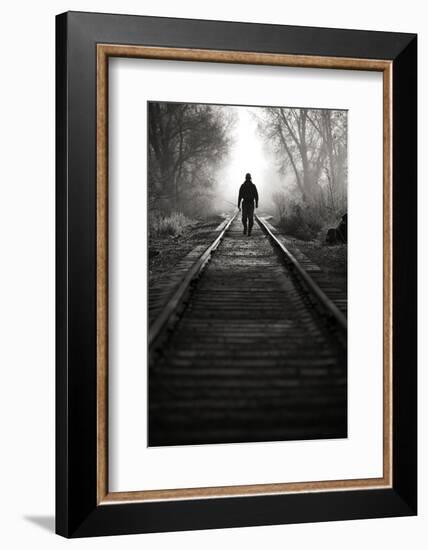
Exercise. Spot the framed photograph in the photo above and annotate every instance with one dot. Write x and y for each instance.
(236, 274)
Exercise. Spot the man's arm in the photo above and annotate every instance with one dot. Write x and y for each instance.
(256, 196)
(240, 197)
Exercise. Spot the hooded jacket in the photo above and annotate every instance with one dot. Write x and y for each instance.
(248, 194)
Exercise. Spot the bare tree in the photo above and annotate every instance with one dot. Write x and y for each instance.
(332, 127)
(184, 140)
(312, 143)
(300, 145)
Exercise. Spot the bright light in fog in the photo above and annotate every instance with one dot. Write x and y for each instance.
(247, 155)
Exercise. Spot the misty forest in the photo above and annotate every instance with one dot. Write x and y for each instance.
(198, 156)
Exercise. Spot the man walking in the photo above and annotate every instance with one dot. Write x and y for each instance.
(248, 195)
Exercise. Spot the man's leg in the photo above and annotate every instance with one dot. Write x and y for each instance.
(250, 214)
(244, 218)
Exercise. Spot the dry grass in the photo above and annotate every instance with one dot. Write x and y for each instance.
(166, 250)
(301, 223)
(173, 224)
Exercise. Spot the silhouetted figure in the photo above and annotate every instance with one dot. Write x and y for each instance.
(248, 195)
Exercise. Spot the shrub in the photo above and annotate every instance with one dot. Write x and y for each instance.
(302, 223)
(173, 224)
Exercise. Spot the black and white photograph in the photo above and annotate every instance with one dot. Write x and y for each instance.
(247, 286)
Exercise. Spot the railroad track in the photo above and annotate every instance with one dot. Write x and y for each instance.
(247, 348)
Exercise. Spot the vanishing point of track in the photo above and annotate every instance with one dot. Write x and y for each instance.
(248, 347)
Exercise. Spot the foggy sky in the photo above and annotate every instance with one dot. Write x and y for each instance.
(248, 154)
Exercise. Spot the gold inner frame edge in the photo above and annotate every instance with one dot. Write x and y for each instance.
(104, 51)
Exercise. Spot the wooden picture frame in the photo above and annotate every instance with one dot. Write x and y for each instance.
(84, 505)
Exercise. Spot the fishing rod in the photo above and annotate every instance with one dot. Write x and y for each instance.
(230, 202)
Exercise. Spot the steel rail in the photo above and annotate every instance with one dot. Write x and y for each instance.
(171, 306)
(322, 298)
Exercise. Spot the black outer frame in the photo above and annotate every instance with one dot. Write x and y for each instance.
(77, 513)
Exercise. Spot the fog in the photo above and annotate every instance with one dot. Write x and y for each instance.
(199, 155)
(248, 153)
